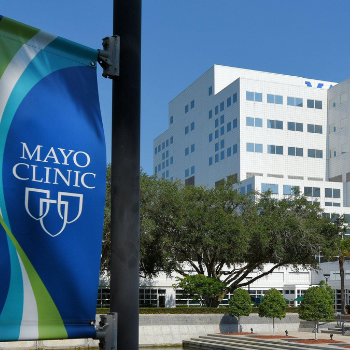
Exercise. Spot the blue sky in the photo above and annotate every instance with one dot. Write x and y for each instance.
(181, 39)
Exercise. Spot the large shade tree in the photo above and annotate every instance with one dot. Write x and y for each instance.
(220, 233)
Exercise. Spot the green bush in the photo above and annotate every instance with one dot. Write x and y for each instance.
(189, 310)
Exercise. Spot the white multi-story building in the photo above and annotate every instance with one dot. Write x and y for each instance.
(270, 131)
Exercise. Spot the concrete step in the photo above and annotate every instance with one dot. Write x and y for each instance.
(229, 342)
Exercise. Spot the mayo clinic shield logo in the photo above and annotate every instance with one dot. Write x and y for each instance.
(38, 205)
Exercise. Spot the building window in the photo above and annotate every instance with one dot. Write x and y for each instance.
(163, 145)
(288, 189)
(171, 119)
(186, 108)
(249, 188)
(210, 161)
(216, 146)
(192, 170)
(171, 140)
(276, 99)
(243, 190)
(228, 102)
(315, 153)
(229, 152)
(316, 129)
(167, 154)
(187, 151)
(210, 90)
(159, 148)
(163, 165)
(192, 104)
(234, 123)
(210, 114)
(216, 110)
(222, 119)
(312, 191)
(211, 137)
(222, 155)
(159, 167)
(222, 130)
(216, 134)
(222, 144)
(292, 126)
(216, 157)
(234, 97)
(228, 127)
(192, 126)
(269, 187)
(254, 147)
(272, 149)
(171, 160)
(222, 106)
(295, 151)
(186, 130)
(295, 101)
(274, 124)
(167, 143)
(332, 193)
(163, 155)
(314, 104)
(155, 150)
(192, 148)
(234, 149)
(254, 96)
(187, 172)
(216, 122)
(254, 122)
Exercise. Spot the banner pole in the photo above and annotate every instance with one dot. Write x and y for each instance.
(125, 201)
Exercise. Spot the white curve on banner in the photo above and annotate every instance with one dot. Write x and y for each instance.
(30, 320)
(19, 63)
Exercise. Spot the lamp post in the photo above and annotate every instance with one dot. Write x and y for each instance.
(326, 276)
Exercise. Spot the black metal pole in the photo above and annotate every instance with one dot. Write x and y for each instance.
(125, 207)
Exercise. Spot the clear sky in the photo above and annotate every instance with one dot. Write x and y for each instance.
(181, 39)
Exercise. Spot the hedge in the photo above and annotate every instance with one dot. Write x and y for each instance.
(189, 310)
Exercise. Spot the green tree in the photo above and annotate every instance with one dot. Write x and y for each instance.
(317, 305)
(240, 304)
(201, 288)
(273, 305)
(220, 233)
(339, 249)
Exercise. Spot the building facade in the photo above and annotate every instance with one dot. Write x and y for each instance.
(271, 132)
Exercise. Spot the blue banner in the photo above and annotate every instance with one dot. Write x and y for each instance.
(52, 185)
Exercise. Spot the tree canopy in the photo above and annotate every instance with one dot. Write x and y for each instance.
(221, 233)
(273, 305)
(240, 303)
(317, 305)
(200, 288)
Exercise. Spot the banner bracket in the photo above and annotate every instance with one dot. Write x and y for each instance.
(108, 58)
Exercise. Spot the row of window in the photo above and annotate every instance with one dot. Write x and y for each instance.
(292, 151)
(187, 106)
(278, 124)
(221, 106)
(278, 99)
(163, 145)
(164, 164)
(221, 131)
(187, 149)
(189, 128)
(308, 191)
(221, 156)
(190, 171)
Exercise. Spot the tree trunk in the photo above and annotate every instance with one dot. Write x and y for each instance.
(342, 285)
(316, 330)
(273, 325)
